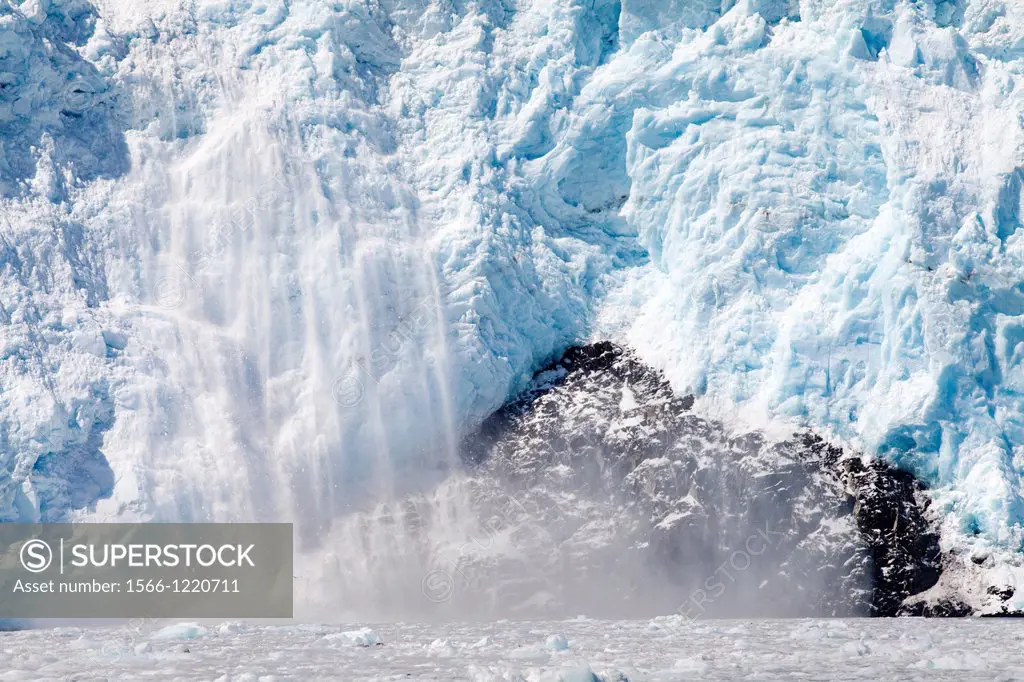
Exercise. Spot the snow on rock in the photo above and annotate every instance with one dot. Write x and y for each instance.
(666, 509)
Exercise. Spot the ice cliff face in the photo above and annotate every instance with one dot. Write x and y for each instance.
(832, 211)
(267, 259)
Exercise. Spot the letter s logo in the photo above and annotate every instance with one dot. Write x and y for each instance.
(36, 556)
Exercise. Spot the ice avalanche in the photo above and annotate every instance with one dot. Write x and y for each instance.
(273, 259)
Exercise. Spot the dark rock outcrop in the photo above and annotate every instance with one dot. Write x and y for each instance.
(630, 484)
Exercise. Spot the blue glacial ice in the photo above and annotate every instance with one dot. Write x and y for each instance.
(264, 259)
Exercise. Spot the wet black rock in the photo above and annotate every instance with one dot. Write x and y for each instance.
(645, 499)
(941, 608)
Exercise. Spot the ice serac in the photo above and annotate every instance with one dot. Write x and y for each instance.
(308, 260)
(55, 138)
(273, 259)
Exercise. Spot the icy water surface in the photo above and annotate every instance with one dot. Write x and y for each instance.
(581, 649)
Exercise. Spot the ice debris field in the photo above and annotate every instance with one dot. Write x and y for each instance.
(581, 650)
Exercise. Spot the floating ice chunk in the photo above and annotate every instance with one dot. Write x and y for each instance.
(853, 649)
(967, 661)
(557, 642)
(584, 674)
(360, 637)
(181, 631)
(441, 647)
(691, 665)
(231, 627)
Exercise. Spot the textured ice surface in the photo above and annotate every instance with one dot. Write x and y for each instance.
(261, 259)
(603, 651)
(831, 208)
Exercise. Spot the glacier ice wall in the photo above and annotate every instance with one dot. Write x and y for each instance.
(316, 263)
(832, 208)
(269, 259)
